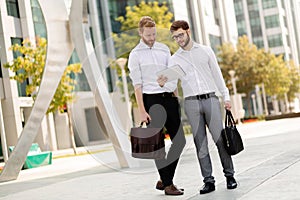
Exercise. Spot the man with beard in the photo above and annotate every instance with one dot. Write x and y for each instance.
(158, 106)
(203, 78)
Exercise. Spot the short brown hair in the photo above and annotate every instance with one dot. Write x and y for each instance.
(146, 21)
(179, 24)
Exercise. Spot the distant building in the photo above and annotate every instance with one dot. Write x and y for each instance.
(271, 24)
(213, 22)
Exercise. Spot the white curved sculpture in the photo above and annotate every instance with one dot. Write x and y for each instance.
(58, 53)
(80, 35)
(59, 50)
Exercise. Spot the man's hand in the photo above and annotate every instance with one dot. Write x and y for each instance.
(145, 117)
(227, 105)
(161, 80)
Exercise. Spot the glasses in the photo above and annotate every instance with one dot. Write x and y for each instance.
(179, 36)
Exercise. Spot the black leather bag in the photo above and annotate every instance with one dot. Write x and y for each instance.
(231, 137)
(147, 143)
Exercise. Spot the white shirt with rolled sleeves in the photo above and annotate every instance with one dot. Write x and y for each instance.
(203, 74)
(144, 62)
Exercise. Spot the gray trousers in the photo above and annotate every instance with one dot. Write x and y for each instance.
(202, 113)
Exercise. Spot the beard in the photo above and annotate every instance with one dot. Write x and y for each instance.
(148, 42)
(186, 42)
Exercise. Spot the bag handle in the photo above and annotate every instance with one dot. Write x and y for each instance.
(229, 120)
(143, 125)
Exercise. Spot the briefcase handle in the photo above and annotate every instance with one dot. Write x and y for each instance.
(143, 125)
(229, 120)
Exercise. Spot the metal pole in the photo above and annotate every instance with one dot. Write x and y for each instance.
(264, 98)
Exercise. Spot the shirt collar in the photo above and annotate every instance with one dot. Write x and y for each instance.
(195, 45)
(144, 45)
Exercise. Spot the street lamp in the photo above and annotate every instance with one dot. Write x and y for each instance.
(264, 99)
(122, 62)
(235, 100)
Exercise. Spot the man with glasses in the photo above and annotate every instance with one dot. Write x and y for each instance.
(158, 106)
(203, 78)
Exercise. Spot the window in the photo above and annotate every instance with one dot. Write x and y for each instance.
(255, 27)
(258, 41)
(216, 14)
(272, 21)
(269, 4)
(101, 18)
(241, 28)
(240, 17)
(252, 4)
(12, 8)
(38, 19)
(21, 86)
(238, 7)
(275, 40)
(253, 14)
(215, 42)
(82, 83)
(256, 31)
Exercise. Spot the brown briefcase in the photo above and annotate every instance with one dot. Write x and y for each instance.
(147, 143)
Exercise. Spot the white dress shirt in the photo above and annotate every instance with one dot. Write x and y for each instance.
(144, 62)
(203, 74)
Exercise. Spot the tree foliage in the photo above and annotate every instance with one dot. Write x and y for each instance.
(294, 75)
(129, 37)
(256, 66)
(29, 66)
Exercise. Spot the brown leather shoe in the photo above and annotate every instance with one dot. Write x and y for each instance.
(172, 190)
(160, 186)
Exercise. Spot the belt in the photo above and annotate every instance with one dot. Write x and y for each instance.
(200, 96)
(164, 94)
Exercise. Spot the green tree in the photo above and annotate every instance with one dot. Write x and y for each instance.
(294, 75)
(29, 65)
(276, 76)
(129, 37)
(255, 66)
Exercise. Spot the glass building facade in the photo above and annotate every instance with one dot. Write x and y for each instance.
(270, 24)
(38, 19)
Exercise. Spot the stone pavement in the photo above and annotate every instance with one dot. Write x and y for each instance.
(268, 168)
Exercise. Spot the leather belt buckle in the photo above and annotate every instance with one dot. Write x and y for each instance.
(200, 96)
(204, 96)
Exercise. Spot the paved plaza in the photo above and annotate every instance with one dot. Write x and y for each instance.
(268, 168)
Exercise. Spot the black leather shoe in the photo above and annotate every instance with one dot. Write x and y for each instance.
(231, 183)
(208, 187)
(160, 186)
